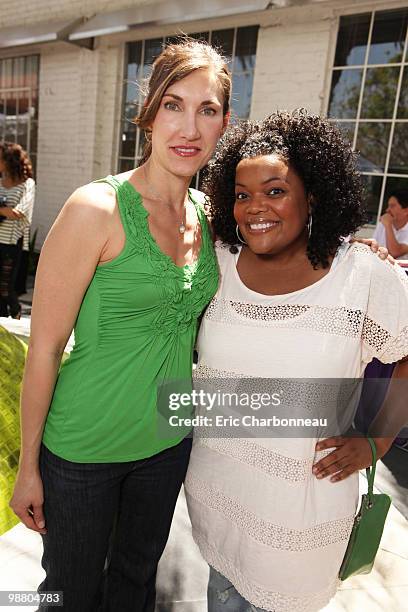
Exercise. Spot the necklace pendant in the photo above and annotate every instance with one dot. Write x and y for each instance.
(182, 228)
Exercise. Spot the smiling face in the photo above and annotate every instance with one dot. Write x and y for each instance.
(188, 123)
(271, 206)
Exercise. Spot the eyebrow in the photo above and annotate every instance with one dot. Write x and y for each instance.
(273, 178)
(215, 101)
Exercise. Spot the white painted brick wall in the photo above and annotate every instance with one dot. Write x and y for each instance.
(77, 132)
(66, 131)
(109, 90)
(21, 12)
(291, 67)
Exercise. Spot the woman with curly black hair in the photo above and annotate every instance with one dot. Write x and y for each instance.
(17, 192)
(296, 301)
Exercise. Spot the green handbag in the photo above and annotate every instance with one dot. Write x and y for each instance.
(367, 529)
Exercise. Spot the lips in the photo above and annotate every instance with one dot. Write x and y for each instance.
(183, 151)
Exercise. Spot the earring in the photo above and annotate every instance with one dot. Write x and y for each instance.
(309, 225)
(238, 235)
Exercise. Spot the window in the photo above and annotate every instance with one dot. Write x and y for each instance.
(369, 99)
(19, 102)
(239, 44)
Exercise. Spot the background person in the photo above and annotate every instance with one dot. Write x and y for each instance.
(392, 228)
(17, 194)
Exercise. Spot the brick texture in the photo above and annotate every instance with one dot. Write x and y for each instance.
(291, 67)
(22, 12)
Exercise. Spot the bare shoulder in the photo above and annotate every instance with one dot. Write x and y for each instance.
(92, 199)
(87, 215)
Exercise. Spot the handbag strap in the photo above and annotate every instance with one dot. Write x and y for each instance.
(371, 472)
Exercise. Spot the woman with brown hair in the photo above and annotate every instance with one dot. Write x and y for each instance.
(17, 193)
(130, 263)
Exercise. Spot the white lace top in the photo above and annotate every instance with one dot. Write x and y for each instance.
(258, 514)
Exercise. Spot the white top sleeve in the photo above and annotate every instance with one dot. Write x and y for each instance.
(26, 203)
(385, 329)
(379, 234)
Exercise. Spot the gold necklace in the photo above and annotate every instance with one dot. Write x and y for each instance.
(157, 196)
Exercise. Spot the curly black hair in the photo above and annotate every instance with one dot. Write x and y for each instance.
(322, 158)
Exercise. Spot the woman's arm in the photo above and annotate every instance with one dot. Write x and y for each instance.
(354, 453)
(10, 213)
(24, 208)
(67, 264)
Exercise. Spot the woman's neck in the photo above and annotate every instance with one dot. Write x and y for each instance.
(292, 256)
(160, 184)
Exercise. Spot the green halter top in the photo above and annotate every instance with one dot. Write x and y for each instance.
(136, 327)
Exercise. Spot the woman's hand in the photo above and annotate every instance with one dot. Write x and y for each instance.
(28, 498)
(349, 456)
(374, 246)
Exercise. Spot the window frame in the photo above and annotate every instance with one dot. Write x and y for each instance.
(33, 154)
(357, 120)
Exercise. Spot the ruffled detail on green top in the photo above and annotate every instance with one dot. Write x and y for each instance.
(188, 289)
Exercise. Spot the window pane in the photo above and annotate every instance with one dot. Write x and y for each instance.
(394, 184)
(372, 144)
(134, 53)
(172, 40)
(133, 71)
(11, 128)
(2, 121)
(379, 93)
(372, 194)
(403, 100)
(387, 41)
(399, 151)
(125, 165)
(245, 49)
(23, 101)
(33, 159)
(33, 135)
(345, 93)
(31, 71)
(128, 141)
(19, 108)
(153, 48)
(347, 129)
(6, 73)
(142, 140)
(352, 40)
(34, 103)
(224, 39)
(200, 36)
(18, 72)
(241, 94)
(22, 131)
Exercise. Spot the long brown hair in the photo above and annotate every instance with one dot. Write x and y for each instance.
(16, 160)
(174, 63)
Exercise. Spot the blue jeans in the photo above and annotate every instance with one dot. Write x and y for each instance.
(222, 596)
(107, 526)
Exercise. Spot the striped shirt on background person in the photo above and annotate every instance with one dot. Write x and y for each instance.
(20, 197)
